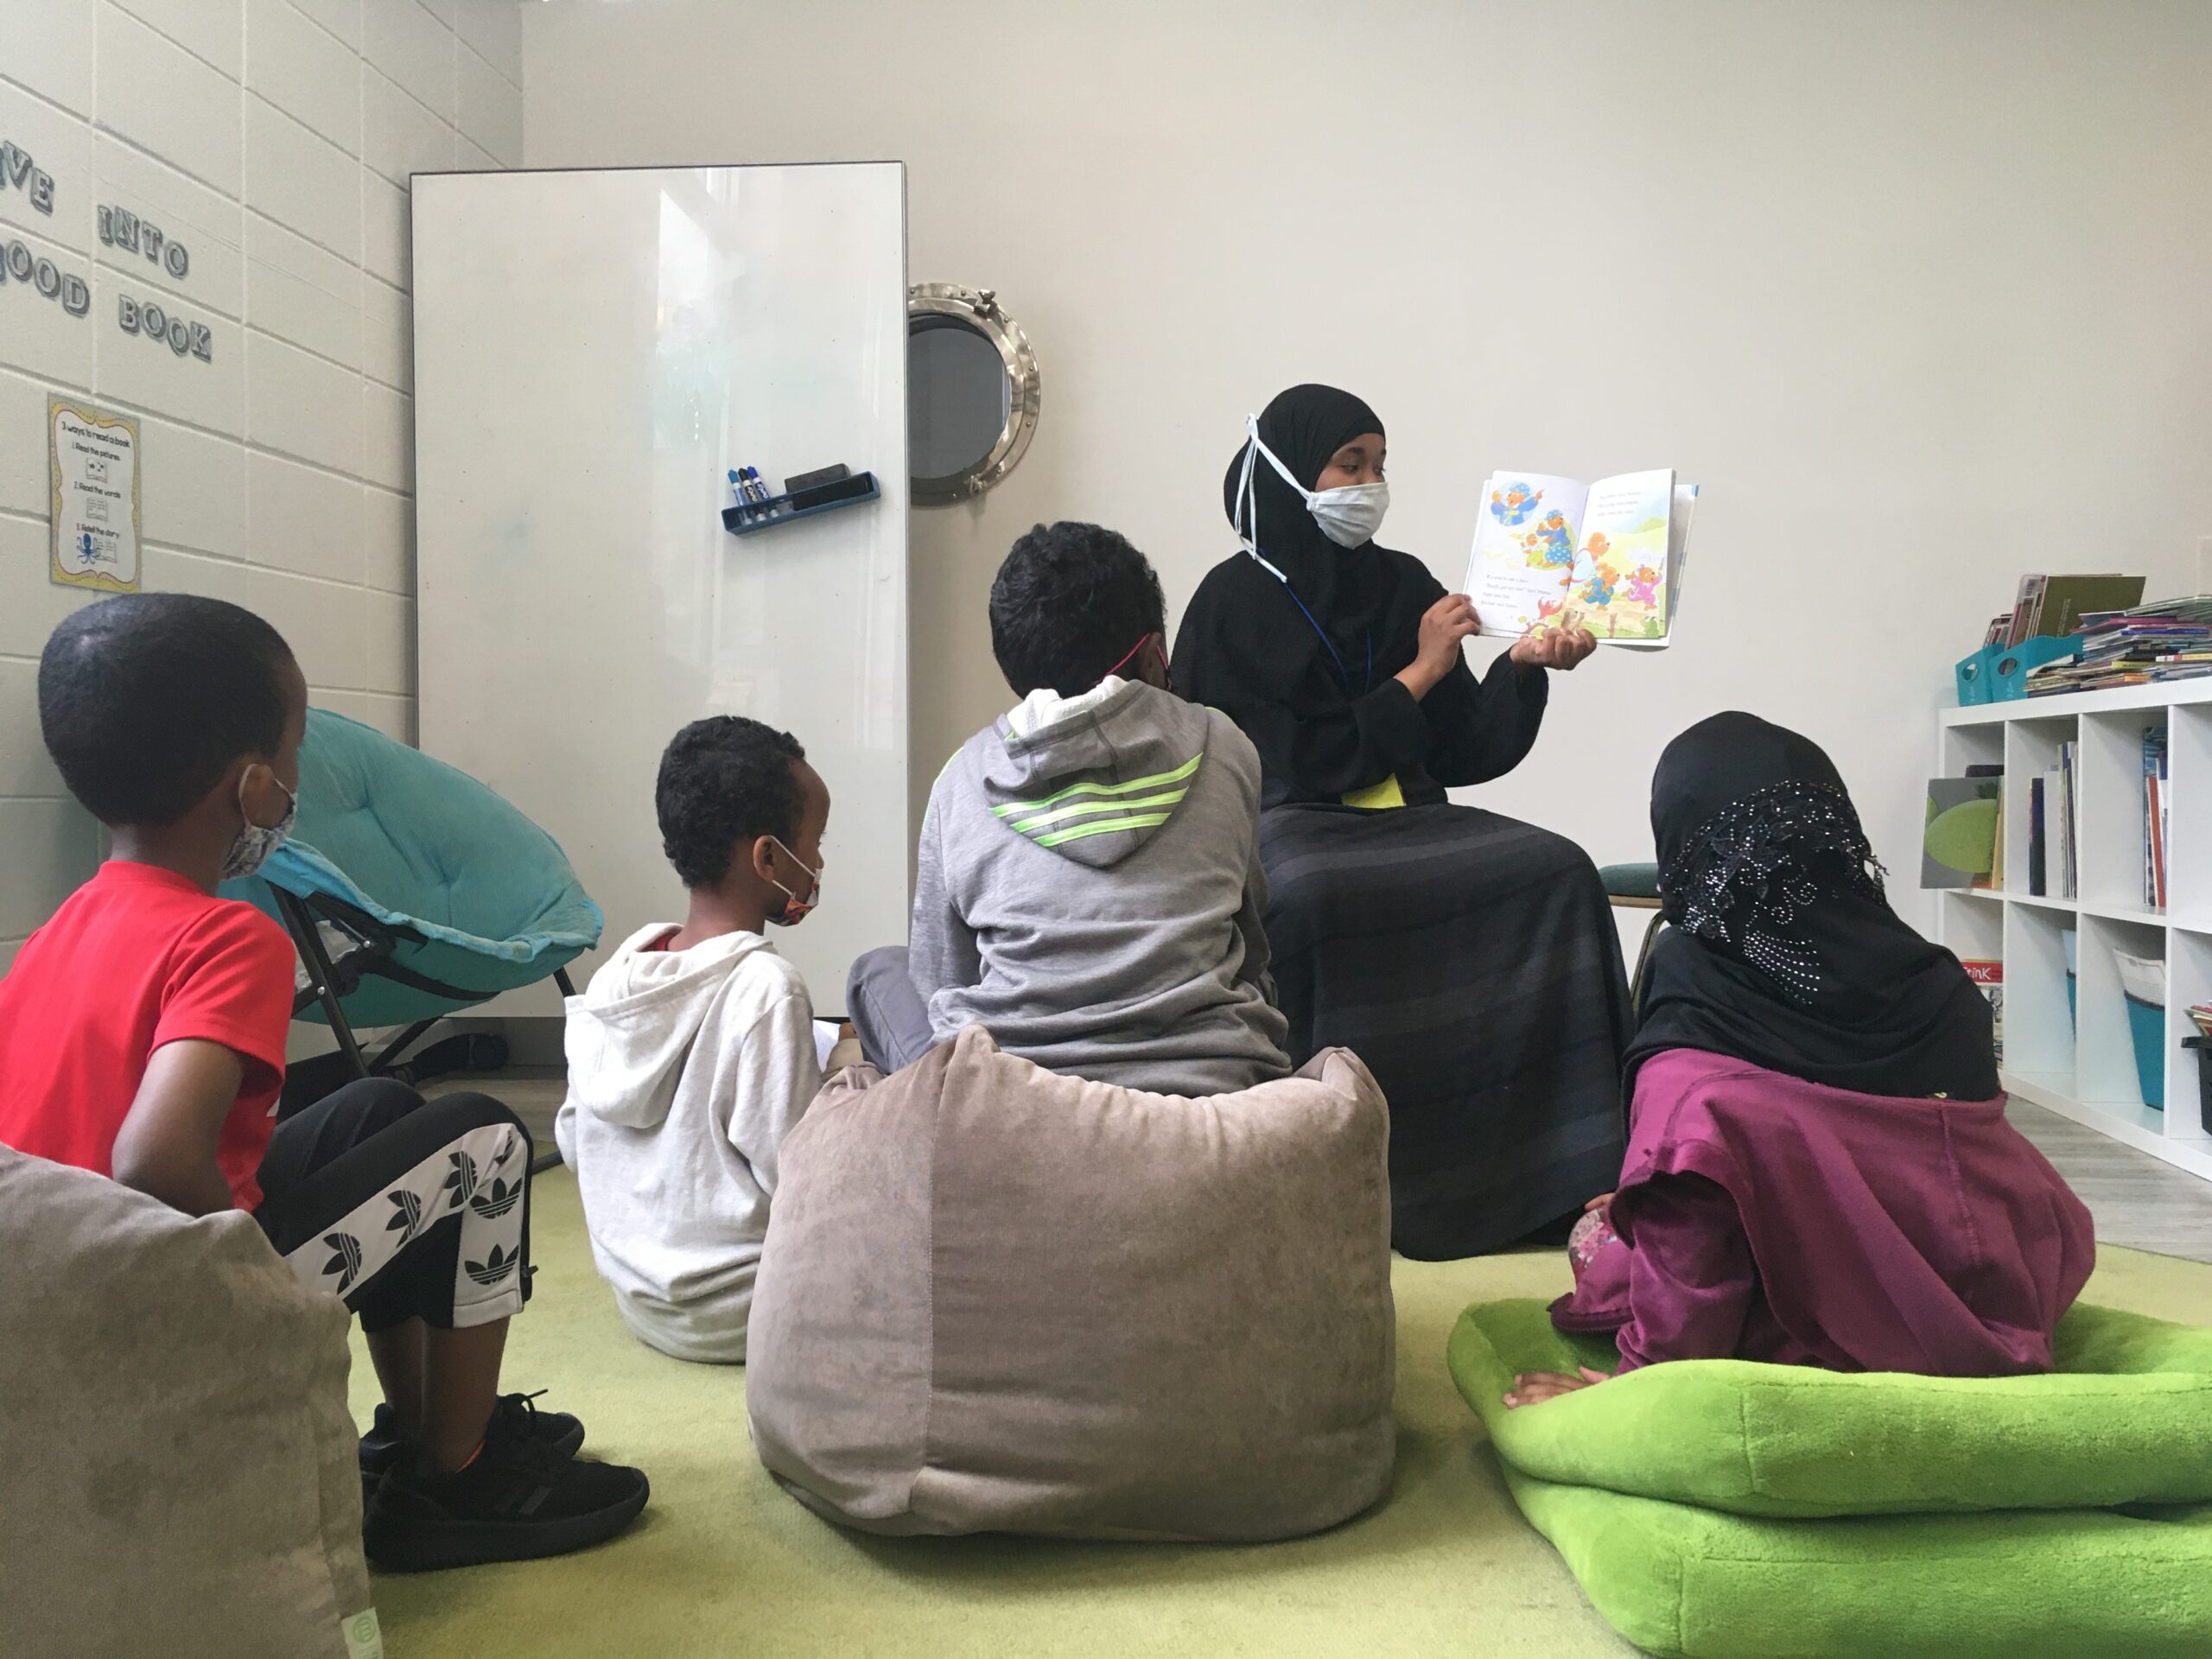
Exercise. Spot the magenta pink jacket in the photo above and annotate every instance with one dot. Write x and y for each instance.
(1760, 1216)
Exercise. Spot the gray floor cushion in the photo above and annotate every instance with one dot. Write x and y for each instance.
(994, 1298)
(178, 1469)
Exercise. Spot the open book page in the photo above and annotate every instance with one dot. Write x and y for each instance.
(1525, 536)
(1678, 547)
(1671, 586)
(1618, 585)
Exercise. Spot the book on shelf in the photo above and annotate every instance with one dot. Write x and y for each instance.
(1988, 975)
(2169, 639)
(1608, 556)
(2054, 605)
(2069, 872)
(2154, 776)
(2052, 871)
(1959, 831)
(2039, 863)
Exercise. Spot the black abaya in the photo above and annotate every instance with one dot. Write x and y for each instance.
(1470, 960)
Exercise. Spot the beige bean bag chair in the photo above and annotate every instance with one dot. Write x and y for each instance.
(995, 1299)
(178, 1471)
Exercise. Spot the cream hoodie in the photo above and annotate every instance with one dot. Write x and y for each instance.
(686, 1069)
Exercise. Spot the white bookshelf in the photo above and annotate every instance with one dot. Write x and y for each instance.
(2085, 1069)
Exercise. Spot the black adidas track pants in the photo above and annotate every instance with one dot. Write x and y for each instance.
(407, 1208)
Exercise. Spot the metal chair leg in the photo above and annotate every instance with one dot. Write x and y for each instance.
(1643, 961)
(302, 924)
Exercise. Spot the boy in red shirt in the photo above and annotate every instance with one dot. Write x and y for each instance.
(141, 1036)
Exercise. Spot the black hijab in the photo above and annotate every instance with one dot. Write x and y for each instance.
(1781, 949)
(1243, 626)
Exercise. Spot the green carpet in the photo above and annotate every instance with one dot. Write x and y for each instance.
(724, 1563)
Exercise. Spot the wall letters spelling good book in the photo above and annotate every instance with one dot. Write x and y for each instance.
(1605, 556)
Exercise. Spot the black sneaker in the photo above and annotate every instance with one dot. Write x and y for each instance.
(518, 1500)
(380, 1448)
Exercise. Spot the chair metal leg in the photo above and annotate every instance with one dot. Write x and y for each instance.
(1642, 962)
(302, 924)
(399, 1045)
(552, 1159)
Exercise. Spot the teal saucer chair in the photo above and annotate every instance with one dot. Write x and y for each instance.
(412, 892)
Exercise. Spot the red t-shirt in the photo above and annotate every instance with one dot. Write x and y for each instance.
(137, 957)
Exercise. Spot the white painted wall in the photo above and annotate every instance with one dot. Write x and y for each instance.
(274, 139)
(1914, 289)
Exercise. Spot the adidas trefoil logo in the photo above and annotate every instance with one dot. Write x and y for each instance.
(492, 1268)
(498, 1197)
(460, 1180)
(346, 1260)
(408, 1218)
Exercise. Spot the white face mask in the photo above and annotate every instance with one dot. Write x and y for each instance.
(252, 847)
(1348, 516)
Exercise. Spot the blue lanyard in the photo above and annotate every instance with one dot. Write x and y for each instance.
(1329, 646)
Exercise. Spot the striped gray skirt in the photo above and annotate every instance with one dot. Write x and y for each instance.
(1472, 961)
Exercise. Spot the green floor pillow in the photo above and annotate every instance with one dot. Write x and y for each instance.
(2126, 1418)
(1683, 1581)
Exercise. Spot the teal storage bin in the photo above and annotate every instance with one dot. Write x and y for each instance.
(2007, 677)
(1975, 672)
(2147, 1025)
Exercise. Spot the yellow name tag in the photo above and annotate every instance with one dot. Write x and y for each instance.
(1378, 795)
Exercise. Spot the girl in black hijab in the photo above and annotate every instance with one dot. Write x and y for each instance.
(1889, 1219)
(1781, 949)
(1470, 960)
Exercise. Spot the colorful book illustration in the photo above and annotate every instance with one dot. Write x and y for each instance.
(1959, 842)
(1550, 552)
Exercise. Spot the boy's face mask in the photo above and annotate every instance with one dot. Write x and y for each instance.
(1167, 678)
(256, 842)
(795, 909)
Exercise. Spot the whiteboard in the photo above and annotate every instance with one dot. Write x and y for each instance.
(594, 351)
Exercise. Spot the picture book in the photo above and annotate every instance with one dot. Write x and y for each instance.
(1959, 840)
(1988, 975)
(1550, 552)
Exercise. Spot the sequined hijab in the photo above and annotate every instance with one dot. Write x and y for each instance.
(1781, 949)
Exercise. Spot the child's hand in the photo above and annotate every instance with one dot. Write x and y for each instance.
(1597, 1203)
(1534, 1387)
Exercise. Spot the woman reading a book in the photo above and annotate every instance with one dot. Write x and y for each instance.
(1819, 1170)
(1471, 960)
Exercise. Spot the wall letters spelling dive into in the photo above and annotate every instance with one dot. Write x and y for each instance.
(120, 229)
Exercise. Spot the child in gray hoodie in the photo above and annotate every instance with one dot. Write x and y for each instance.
(1089, 887)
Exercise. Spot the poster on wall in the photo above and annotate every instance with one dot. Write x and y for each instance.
(92, 456)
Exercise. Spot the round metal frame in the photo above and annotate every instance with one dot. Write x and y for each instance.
(978, 310)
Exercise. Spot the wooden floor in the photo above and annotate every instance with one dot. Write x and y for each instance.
(2136, 1200)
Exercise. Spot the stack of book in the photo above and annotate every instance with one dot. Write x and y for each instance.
(2051, 867)
(2170, 640)
(2054, 606)
(2155, 816)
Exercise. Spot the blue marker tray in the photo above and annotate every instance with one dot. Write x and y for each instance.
(752, 517)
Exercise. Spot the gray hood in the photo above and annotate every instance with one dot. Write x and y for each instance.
(1093, 778)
